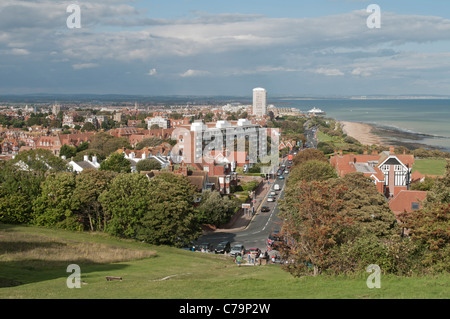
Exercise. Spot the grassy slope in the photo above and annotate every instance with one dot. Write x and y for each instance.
(199, 276)
(430, 166)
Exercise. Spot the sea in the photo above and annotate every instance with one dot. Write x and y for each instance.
(418, 121)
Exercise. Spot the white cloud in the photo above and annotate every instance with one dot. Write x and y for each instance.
(328, 72)
(152, 72)
(82, 66)
(194, 73)
(17, 51)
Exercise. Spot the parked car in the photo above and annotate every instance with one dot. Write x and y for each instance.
(223, 247)
(270, 199)
(281, 177)
(286, 172)
(273, 194)
(205, 246)
(276, 187)
(237, 249)
(265, 209)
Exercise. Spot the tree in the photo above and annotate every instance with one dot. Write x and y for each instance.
(170, 217)
(325, 147)
(366, 207)
(40, 161)
(429, 226)
(68, 151)
(90, 184)
(18, 189)
(53, 207)
(312, 170)
(148, 164)
(426, 185)
(149, 142)
(313, 226)
(88, 126)
(108, 143)
(307, 155)
(215, 209)
(117, 163)
(124, 203)
(327, 221)
(440, 192)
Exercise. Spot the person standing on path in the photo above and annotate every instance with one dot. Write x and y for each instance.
(239, 260)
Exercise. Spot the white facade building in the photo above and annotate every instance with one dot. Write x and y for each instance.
(162, 122)
(259, 102)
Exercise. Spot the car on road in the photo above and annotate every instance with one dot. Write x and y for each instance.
(273, 194)
(270, 199)
(237, 249)
(223, 247)
(286, 172)
(265, 209)
(276, 187)
(281, 177)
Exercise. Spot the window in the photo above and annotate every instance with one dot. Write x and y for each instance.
(400, 179)
(415, 206)
(398, 168)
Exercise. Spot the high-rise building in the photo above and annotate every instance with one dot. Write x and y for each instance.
(259, 102)
(56, 108)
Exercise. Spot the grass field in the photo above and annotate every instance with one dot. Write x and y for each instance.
(430, 166)
(33, 264)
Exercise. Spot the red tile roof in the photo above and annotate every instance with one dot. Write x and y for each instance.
(402, 202)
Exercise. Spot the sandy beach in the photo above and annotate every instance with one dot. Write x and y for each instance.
(362, 132)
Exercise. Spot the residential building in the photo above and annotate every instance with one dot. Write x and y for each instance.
(52, 143)
(407, 201)
(390, 172)
(162, 122)
(86, 163)
(259, 102)
(199, 139)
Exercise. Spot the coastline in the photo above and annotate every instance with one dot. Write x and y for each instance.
(363, 133)
(369, 134)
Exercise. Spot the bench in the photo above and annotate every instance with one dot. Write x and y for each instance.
(110, 278)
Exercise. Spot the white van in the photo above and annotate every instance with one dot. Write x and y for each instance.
(276, 187)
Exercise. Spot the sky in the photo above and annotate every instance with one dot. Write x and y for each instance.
(210, 47)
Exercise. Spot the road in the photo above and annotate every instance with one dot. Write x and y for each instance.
(258, 230)
(310, 134)
(262, 224)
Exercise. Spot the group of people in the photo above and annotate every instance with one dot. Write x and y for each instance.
(253, 257)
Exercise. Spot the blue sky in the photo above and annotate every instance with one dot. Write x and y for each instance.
(208, 47)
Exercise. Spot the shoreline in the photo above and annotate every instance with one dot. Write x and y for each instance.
(362, 132)
(370, 134)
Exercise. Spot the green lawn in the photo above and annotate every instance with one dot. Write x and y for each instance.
(430, 166)
(322, 137)
(187, 275)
